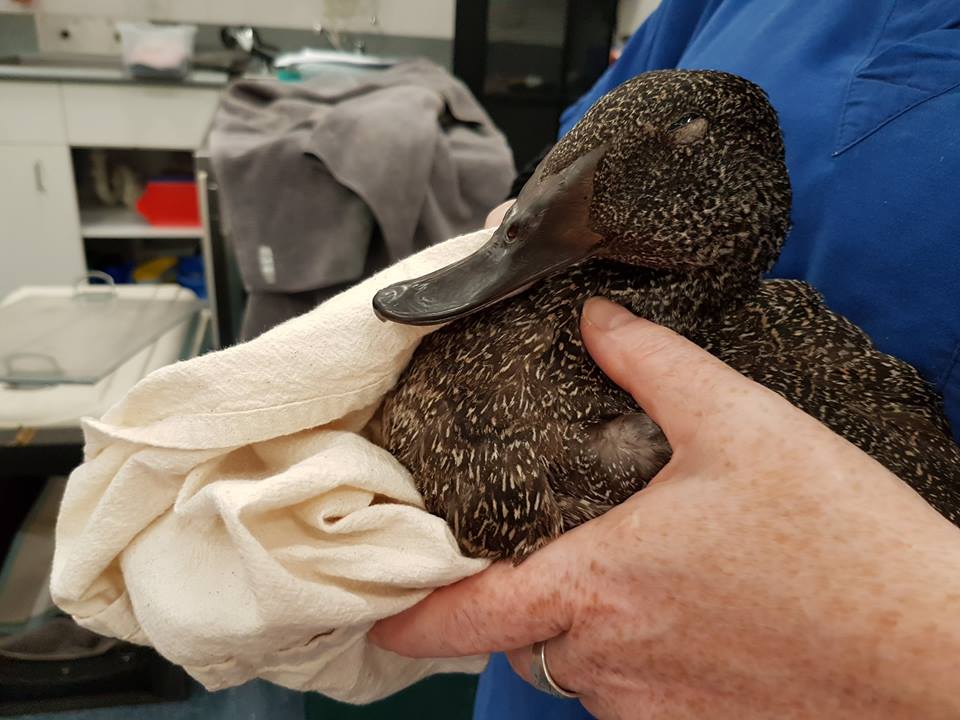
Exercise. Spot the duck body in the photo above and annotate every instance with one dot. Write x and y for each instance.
(788, 340)
(670, 197)
(511, 432)
(514, 435)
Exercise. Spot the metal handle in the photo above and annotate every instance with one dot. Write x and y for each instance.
(38, 176)
(203, 322)
(205, 184)
(27, 368)
(83, 289)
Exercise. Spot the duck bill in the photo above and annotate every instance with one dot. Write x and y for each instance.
(546, 231)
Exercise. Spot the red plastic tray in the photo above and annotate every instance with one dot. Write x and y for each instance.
(170, 202)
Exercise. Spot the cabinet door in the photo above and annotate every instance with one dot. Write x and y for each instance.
(40, 240)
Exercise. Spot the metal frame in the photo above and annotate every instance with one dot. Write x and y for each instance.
(216, 257)
(470, 43)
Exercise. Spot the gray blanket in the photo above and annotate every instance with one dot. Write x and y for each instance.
(325, 181)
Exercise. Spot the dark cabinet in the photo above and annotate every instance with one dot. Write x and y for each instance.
(527, 60)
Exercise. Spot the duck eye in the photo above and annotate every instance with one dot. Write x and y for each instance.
(689, 128)
(682, 121)
(512, 231)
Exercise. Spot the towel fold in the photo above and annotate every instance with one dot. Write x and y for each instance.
(231, 513)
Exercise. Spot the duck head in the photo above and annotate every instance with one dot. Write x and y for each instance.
(675, 170)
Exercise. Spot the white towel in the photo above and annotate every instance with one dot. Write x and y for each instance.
(230, 514)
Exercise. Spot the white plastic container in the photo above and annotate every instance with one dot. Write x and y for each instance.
(157, 51)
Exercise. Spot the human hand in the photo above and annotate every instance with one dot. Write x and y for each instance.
(771, 569)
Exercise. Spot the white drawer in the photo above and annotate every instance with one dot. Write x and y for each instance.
(137, 116)
(31, 113)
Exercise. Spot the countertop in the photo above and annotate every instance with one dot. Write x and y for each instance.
(88, 70)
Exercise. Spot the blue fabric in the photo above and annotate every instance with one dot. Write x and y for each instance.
(501, 693)
(869, 99)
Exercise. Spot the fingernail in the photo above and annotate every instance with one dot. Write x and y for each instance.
(605, 315)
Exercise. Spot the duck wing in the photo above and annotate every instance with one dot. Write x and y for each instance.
(788, 340)
(492, 488)
(511, 432)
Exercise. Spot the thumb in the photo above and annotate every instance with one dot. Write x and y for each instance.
(677, 383)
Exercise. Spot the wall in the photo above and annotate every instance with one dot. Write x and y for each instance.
(632, 13)
(407, 18)
(411, 18)
(404, 28)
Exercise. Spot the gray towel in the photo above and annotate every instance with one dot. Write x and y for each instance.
(311, 172)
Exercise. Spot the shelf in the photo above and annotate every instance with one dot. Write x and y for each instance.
(124, 223)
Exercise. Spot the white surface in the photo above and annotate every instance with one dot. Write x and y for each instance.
(64, 405)
(415, 18)
(232, 514)
(137, 116)
(31, 112)
(39, 230)
(121, 222)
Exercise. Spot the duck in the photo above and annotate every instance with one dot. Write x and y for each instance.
(671, 197)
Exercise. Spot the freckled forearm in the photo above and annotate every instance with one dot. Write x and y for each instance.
(912, 632)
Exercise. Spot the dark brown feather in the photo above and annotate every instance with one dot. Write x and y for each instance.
(512, 433)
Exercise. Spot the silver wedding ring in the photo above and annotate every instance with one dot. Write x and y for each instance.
(542, 680)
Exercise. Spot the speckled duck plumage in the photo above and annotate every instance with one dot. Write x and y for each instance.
(670, 197)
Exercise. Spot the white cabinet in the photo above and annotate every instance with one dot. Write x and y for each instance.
(31, 112)
(40, 225)
(137, 116)
(39, 222)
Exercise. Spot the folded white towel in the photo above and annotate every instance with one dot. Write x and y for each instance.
(230, 514)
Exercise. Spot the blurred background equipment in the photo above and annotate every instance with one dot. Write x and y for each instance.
(527, 61)
(116, 211)
(153, 51)
(321, 186)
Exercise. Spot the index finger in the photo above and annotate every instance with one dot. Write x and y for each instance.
(501, 608)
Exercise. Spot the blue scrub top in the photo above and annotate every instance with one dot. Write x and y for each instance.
(868, 93)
